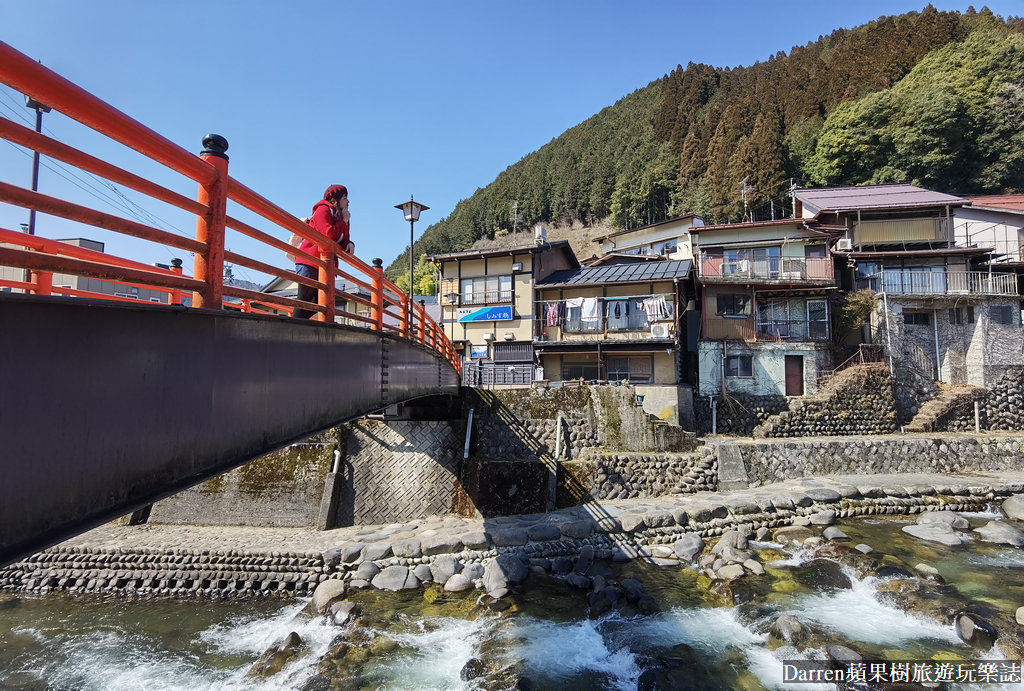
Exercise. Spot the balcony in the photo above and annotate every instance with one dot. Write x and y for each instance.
(921, 282)
(749, 268)
(768, 331)
(487, 297)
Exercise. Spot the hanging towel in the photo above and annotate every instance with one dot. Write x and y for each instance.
(656, 309)
(551, 314)
(574, 302)
(591, 310)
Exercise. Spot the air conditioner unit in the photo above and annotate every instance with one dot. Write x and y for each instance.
(844, 245)
(659, 330)
(488, 337)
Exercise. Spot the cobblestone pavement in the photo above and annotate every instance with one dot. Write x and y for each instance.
(308, 540)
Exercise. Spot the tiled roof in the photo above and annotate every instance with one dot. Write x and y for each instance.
(1011, 202)
(618, 273)
(897, 196)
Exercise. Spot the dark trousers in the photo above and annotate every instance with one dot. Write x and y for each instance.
(306, 293)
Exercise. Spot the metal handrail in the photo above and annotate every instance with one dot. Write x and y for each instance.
(42, 258)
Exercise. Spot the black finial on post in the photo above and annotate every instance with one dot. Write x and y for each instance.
(176, 263)
(215, 145)
(378, 263)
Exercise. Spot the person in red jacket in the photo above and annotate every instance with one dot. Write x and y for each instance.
(330, 218)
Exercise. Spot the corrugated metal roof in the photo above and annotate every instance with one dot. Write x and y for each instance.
(618, 273)
(900, 195)
(1010, 202)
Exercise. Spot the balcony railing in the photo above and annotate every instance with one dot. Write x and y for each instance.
(732, 328)
(488, 297)
(748, 268)
(918, 282)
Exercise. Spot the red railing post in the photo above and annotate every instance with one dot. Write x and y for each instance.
(421, 317)
(405, 321)
(377, 298)
(176, 293)
(325, 298)
(209, 265)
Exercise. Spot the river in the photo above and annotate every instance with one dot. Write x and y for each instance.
(546, 640)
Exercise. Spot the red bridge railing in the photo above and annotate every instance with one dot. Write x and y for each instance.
(369, 298)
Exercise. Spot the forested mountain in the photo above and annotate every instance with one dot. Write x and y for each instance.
(934, 98)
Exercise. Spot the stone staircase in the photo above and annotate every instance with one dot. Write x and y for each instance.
(950, 400)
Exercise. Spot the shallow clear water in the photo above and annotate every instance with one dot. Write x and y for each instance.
(100, 643)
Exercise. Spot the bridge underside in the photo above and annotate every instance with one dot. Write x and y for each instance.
(106, 407)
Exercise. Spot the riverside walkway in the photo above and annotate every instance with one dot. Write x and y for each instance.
(215, 561)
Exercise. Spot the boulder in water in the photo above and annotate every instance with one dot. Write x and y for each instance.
(975, 631)
(395, 578)
(822, 574)
(688, 546)
(276, 657)
(789, 629)
(326, 593)
(934, 532)
(1013, 506)
(840, 653)
(948, 517)
(1001, 532)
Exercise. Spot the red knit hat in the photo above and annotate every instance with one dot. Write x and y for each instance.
(335, 191)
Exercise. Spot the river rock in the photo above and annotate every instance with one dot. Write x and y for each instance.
(688, 546)
(948, 517)
(821, 574)
(1001, 533)
(975, 631)
(680, 668)
(840, 653)
(441, 544)
(458, 583)
(730, 571)
(864, 549)
(503, 570)
(423, 573)
(929, 572)
(475, 540)
(823, 518)
(443, 567)
(1013, 506)
(633, 588)
(823, 494)
(543, 532)
(276, 657)
(376, 551)
(473, 571)
(366, 571)
(577, 530)
(792, 533)
(561, 565)
(509, 537)
(632, 522)
(578, 580)
(326, 593)
(410, 548)
(342, 611)
(585, 559)
(789, 629)
(834, 533)
(1020, 616)
(754, 567)
(647, 605)
(730, 538)
(934, 532)
(395, 578)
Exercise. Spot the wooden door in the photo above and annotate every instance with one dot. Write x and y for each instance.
(794, 375)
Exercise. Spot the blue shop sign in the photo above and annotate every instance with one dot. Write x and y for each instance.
(486, 314)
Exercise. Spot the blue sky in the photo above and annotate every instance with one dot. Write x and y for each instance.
(432, 99)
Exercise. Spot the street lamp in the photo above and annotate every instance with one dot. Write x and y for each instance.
(40, 109)
(452, 299)
(412, 210)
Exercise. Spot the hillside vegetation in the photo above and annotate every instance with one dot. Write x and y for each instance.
(934, 98)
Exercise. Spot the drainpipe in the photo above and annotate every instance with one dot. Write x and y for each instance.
(935, 325)
(888, 330)
(714, 415)
(469, 432)
(558, 436)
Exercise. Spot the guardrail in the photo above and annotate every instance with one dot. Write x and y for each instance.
(389, 309)
(745, 266)
(926, 282)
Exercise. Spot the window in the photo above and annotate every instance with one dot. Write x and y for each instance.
(579, 370)
(484, 290)
(638, 370)
(762, 262)
(1001, 314)
(627, 314)
(773, 319)
(733, 305)
(961, 315)
(917, 318)
(739, 366)
(817, 319)
(582, 315)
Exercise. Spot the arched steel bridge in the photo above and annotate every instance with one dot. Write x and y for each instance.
(108, 404)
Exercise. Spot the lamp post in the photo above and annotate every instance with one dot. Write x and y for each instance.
(40, 109)
(452, 299)
(412, 210)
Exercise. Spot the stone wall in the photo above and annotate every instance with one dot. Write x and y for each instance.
(738, 414)
(858, 400)
(281, 489)
(1002, 408)
(774, 461)
(606, 476)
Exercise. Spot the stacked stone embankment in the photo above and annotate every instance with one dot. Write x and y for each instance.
(460, 554)
(607, 475)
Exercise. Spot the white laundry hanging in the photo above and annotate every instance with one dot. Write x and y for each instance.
(656, 309)
(591, 311)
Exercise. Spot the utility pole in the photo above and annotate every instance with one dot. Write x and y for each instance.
(744, 190)
(40, 109)
(515, 219)
(792, 195)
